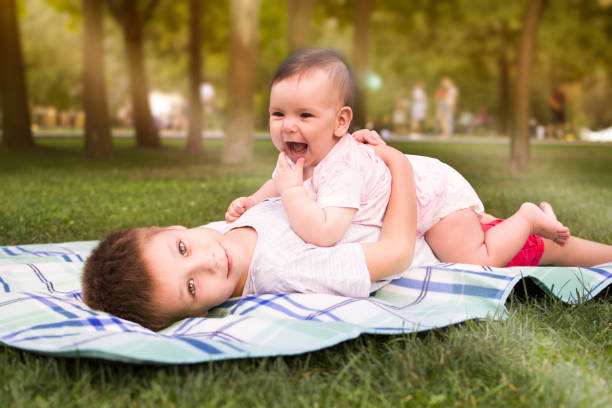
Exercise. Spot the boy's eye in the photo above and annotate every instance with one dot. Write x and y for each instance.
(305, 115)
(182, 248)
(191, 287)
(278, 114)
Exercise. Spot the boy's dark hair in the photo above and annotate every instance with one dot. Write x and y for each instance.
(326, 59)
(116, 280)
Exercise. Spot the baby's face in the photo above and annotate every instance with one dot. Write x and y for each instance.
(307, 116)
(191, 270)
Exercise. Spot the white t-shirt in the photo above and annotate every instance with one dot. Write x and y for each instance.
(283, 263)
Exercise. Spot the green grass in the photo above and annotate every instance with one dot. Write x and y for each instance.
(545, 354)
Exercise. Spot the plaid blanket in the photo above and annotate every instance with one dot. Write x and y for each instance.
(41, 310)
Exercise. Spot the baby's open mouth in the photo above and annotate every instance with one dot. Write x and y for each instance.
(296, 148)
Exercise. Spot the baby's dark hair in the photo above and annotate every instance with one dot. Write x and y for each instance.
(308, 59)
(116, 279)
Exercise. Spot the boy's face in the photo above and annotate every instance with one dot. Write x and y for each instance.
(307, 116)
(192, 270)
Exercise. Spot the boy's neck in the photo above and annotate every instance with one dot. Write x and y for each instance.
(243, 241)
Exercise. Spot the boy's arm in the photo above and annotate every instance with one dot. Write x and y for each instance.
(394, 250)
(313, 223)
(241, 204)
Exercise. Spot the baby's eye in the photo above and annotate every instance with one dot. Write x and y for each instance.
(182, 248)
(191, 287)
(278, 114)
(305, 115)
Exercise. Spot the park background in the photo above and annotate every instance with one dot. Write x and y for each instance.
(156, 65)
(68, 84)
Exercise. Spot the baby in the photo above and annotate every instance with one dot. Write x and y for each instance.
(310, 112)
(345, 182)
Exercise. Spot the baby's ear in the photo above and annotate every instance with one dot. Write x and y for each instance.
(343, 121)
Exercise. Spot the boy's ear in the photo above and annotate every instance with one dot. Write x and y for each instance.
(343, 121)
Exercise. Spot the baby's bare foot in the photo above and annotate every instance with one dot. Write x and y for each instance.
(545, 224)
(565, 232)
(548, 210)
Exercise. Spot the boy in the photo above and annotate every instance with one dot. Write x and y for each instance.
(156, 276)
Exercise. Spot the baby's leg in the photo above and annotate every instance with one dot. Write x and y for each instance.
(486, 218)
(458, 237)
(575, 252)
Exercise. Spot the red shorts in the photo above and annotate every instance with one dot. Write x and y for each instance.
(529, 255)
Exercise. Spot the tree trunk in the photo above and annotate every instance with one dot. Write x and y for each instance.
(196, 116)
(503, 65)
(505, 104)
(361, 54)
(519, 150)
(98, 139)
(146, 132)
(131, 17)
(16, 128)
(299, 19)
(240, 120)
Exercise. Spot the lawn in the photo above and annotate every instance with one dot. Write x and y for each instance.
(545, 354)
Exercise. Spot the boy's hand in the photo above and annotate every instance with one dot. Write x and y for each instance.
(286, 177)
(370, 137)
(237, 208)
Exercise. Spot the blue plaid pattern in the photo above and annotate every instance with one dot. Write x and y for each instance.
(41, 310)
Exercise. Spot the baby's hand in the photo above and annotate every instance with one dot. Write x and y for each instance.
(286, 177)
(370, 137)
(237, 208)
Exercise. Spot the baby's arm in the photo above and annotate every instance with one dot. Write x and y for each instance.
(313, 223)
(241, 204)
(394, 250)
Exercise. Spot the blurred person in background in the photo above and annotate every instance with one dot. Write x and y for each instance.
(419, 109)
(556, 102)
(400, 115)
(446, 102)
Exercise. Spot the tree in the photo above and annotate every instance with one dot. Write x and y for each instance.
(132, 17)
(491, 41)
(520, 155)
(574, 49)
(194, 137)
(504, 64)
(54, 73)
(239, 120)
(15, 112)
(299, 13)
(361, 53)
(98, 138)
